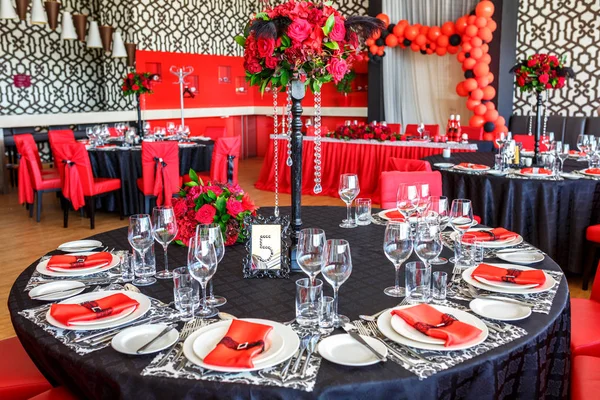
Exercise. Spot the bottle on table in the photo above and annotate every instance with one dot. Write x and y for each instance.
(449, 128)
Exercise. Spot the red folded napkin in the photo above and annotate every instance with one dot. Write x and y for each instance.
(497, 274)
(472, 166)
(436, 324)
(576, 153)
(242, 342)
(114, 304)
(593, 171)
(536, 171)
(79, 262)
(105, 146)
(489, 236)
(394, 214)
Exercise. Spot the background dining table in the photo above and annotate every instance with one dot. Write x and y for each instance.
(552, 215)
(530, 367)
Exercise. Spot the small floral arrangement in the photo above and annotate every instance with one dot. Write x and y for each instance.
(302, 40)
(137, 83)
(540, 72)
(363, 131)
(225, 204)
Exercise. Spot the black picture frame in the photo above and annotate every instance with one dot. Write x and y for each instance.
(283, 272)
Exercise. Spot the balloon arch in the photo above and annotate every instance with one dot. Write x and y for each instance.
(469, 39)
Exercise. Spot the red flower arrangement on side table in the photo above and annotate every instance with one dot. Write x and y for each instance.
(363, 131)
(225, 204)
(137, 83)
(540, 72)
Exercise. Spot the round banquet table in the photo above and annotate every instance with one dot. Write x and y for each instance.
(126, 164)
(551, 215)
(534, 366)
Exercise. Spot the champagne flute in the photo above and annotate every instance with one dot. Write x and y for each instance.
(428, 241)
(407, 199)
(213, 233)
(397, 246)
(461, 216)
(165, 229)
(140, 237)
(336, 270)
(309, 252)
(348, 190)
(203, 269)
(438, 212)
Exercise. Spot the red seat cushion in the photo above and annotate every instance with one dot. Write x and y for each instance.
(50, 172)
(105, 185)
(140, 184)
(19, 377)
(585, 327)
(49, 182)
(58, 393)
(585, 378)
(593, 233)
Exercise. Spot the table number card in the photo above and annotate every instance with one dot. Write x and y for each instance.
(268, 247)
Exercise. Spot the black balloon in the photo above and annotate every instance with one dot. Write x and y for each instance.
(406, 42)
(383, 55)
(469, 74)
(489, 127)
(467, 55)
(485, 101)
(380, 42)
(377, 58)
(391, 28)
(423, 51)
(427, 46)
(455, 39)
(384, 34)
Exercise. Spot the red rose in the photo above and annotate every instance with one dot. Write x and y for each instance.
(315, 16)
(130, 76)
(216, 190)
(234, 207)
(206, 214)
(179, 208)
(299, 30)
(315, 39)
(561, 82)
(521, 80)
(248, 204)
(549, 85)
(338, 32)
(266, 46)
(337, 67)
(353, 40)
(271, 62)
(252, 66)
(531, 62)
(135, 87)
(544, 78)
(392, 138)
(124, 87)
(553, 60)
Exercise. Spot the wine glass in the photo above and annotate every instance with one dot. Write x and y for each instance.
(146, 127)
(202, 269)
(165, 229)
(397, 246)
(407, 199)
(140, 237)
(438, 213)
(309, 252)
(336, 270)
(582, 144)
(424, 198)
(348, 190)
(461, 216)
(428, 241)
(119, 128)
(213, 233)
(562, 152)
(171, 128)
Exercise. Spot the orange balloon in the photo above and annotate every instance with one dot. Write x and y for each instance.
(441, 51)
(477, 53)
(489, 92)
(369, 42)
(482, 81)
(477, 94)
(469, 63)
(477, 121)
(467, 47)
(443, 41)
(480, 22)
(492, 25)
(485, 48)
(461, 91)
(415, 47)
(391, 41)
(500, 121)
(384, 18)
(480, 109)
(399, 29)
(481, 69)
(484, 9)
(403, 23)
(490, 77)
(448, 29)
(470, 85)
(429, 51)
(485, 34)
(374, 49)
(486, 58)
(376, 35)
(380, 51)
(491, 115)
(434, 33)
(471, 20)
(471, 104)
(476, 41)
(461, 25)
(411, 32)
(461, 57)
(471, 31)
(504, 129)
(421, 40)
(490, 106)
(489, 137)
(453, 49)
(424, 30)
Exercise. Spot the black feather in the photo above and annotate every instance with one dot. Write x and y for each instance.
(365, 27)
(281, 24)
(264, 29)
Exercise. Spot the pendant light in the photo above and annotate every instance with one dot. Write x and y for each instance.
(22, 6)
(131, 48)
(38, 14)
(106, 33)
(93, 39)
(7, 11)
(68, 29)
(118, 46)
(80, 21)
(52, 9)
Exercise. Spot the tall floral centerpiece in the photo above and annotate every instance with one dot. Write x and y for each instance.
(292, 46)
(539, 73)
(137, 83)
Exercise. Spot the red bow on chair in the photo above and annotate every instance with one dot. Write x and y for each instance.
(161, 181)
(25, 187)
(73, 189)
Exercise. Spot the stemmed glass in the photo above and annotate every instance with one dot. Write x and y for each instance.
(202, 269)
(397, 246)
(120, 128)
(348, 190)
(582, 145)
(140, 237)
(562, 152)
(165, 229)
(461, 216)
(309, 252)
(336, 270)
(213, 233)
(438, 212)
(146, 127)
(407, 199)
(428, 241)
(424, 198)
(171, 128)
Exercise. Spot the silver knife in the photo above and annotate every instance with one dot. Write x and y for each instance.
(360, 340)
(116, 328)
(162, 333)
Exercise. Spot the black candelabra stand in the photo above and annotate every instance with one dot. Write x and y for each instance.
(298, 93)
(140, 124)
(538, 129)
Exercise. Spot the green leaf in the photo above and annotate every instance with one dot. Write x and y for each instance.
(329, 25)
(190, 184)
(285, 77)
(263, 86)
(241, 40)
(328, 3)
(193, 175)
(179, 242)
(225, 218)
(211, 195)
(220, 204)
(262, 15)
(285, 41)
(332, 45)
(254, 80)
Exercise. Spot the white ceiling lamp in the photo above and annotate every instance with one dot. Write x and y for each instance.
(7, 11)
(38, 14)
(118, 46)
(68, 29)
(93, 39)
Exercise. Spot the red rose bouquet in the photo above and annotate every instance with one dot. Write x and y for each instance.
(302, 40)
(212, 202)
(540, 72)
(137, 83)
(363, 131)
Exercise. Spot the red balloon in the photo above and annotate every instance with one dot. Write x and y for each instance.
(429, 51)
(373, 49)
(484, 9)
(480, 109)
(488, 136)
(489, 92)
(471, 31)
(471, 104)
(421, 40)
(482, 81)
(467, 47)
(477, 94)
(369, 42)
(492, 25)
(485, 34)
(441, 51)
(476, 41)
(477, 121)
(415, 47)
(391, 41)
(424, 30)
(461, 57)
(491, 115)
(480, 22)
(384, 18)
(399, 29)
(470, 85)
(461, 25)
(490, 106)
(476, 53)
(443, 41)
(485, 48)
(471, 20)
(376, 35)
(411, 32)
(500, 121)
(448, 29)
(380, 51)
(486, 58)
(453, 49)
(481, 69)
(469, 63)
(434, 33)
(461, 91)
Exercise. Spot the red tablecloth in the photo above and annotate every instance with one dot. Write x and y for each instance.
(365, 160)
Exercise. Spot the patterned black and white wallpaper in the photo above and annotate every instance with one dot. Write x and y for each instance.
(570, 27)
(67, 77)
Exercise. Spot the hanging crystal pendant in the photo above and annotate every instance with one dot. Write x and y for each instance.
(318, 188)
(289, 161)
(276, 152)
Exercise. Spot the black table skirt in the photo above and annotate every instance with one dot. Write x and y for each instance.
(552, 215)
(127, 166)
(532, 367)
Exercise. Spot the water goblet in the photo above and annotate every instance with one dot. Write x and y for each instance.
(562, 151)
(461, 216)
(165, 230)
(348, 190)
(397, 246)
(336, 270)
(171, 128)
(213, 233)
(407, 199)
(428, 241)
(202, 269)
(438, 212)
(140, 237)
(310, 251)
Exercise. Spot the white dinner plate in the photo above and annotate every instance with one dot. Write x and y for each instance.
(403, 328)
(549, 284)
(496, 172)
(291, 343)
(385, 326)
(344, 350)
(139, 312)
(79, 245)
(570, 175)
(444, 165)
(493, 244)
(532, 175)
(382, 214)
(212, 335)
(105, 320)
(472, 169)
(41, 267)
(202, 138)
(187, 145)
(499, 310)
(66, 288)
(587, 174)
(524, 257)
(506, 285)
(130, 339)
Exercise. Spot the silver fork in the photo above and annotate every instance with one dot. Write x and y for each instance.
(379, 335)
(187, 330)
(365, 330)
(456, 271)
(373, 317)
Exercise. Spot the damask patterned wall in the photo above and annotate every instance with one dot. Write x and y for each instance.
(570, 27)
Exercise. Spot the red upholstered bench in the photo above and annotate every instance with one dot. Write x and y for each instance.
(58, 393)
(585, 323)
(585, 378)
(19, 377)
(592, 234)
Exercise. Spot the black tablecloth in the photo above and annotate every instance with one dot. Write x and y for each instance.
(127, 166)
(532, 367)
(484, 146)
(552, 215)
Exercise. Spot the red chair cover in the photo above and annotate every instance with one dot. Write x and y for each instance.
(592, 233)
(585, 378)
(473, 132)
(528, 142)
(28, 138)
(30, 175)
(19, 377)
(389, 182)
(61, 136)
(395, 128)
(57, 393)
(215, 132)
(411, 130)
(408, 165)
(160, 170)
(225, 159)
(76, 172)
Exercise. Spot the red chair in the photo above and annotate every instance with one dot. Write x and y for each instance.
(215, 132)
(57, 393)
(585, 378)
(33, 183)
(528, 142)
(408, 165)
(585, 323)
(411, 130)
(225, 160)
(472, 132)
(390, 180)
(160, 172)
(28, 138)
(592, 234)
(19, 377)
(60, 137)
(395, 128)
(78, 183)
